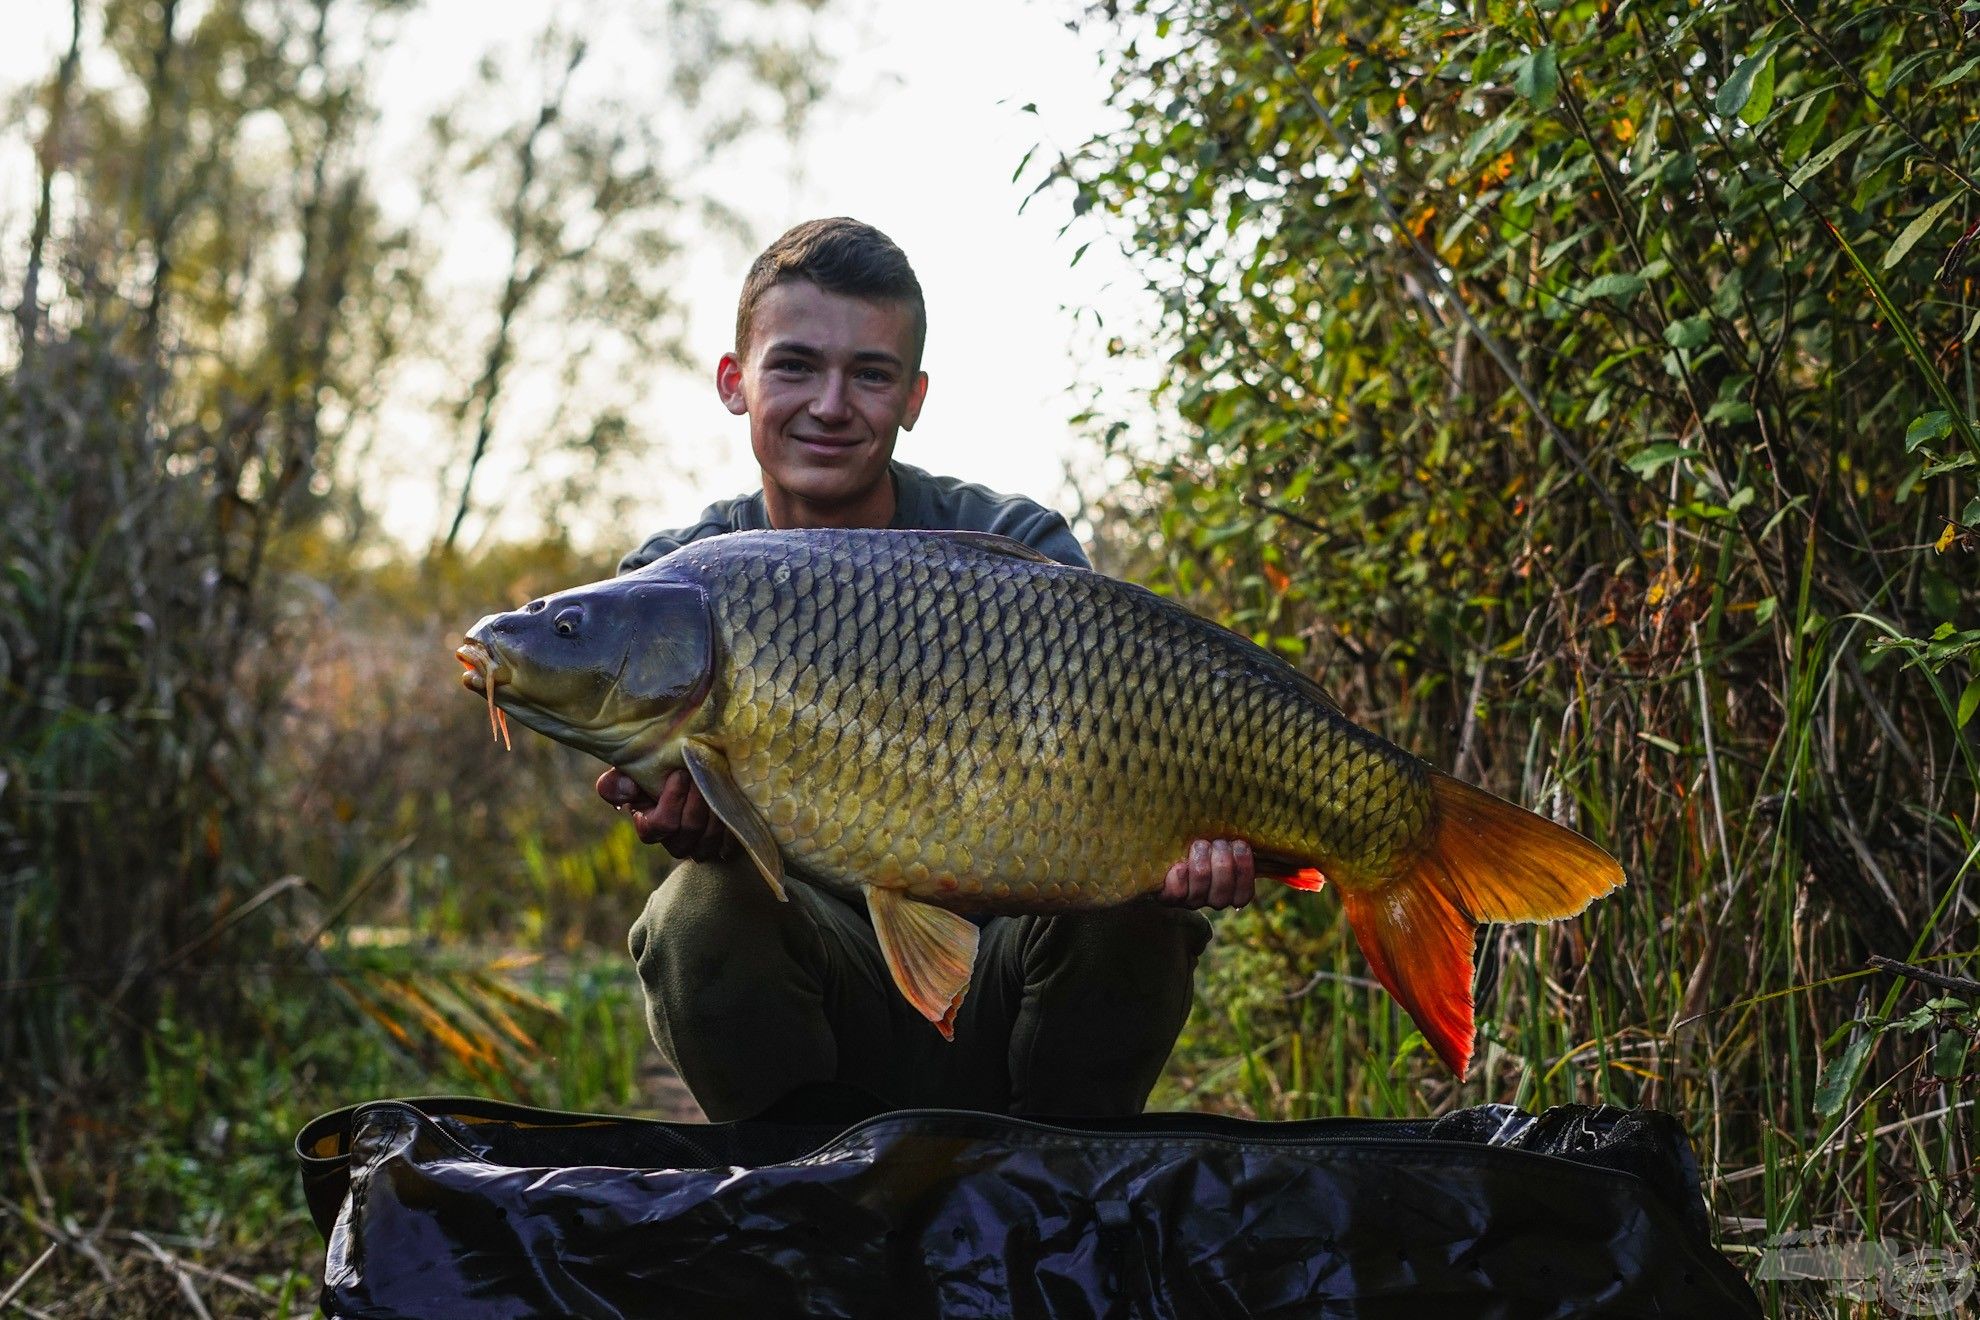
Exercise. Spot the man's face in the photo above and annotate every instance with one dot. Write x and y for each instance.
(827, 382)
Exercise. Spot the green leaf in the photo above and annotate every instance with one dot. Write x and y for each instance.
(1744, 85)
(1762, 99)
(1730, 410)
(1491, 139)
(1970, 515)
(1553, 250)
(1839, 1078)
(1539, 77)
(1969, 701)
(1725, 298)
(1781, 514)
(1615, 360)
(1692, 332)
(1822, 159)
(1646, 463)
(1916, 230)
(1621, 287)
(1949, 1055)
(1413, 1043)
(1764, 611)
(1939, 467)
(1808, 124)
(1949, 79)
(1923, 430)
(1224, 411)
(1663, 744)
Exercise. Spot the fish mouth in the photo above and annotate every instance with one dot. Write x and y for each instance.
(483, 674)
(482, 670)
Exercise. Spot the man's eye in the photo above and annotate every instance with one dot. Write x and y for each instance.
(790, 365)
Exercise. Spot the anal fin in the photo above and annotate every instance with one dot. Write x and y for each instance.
(931, 952)
(711, 775)
(1307, 878)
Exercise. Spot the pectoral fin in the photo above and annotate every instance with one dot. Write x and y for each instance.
(711, 775)
(929, 950)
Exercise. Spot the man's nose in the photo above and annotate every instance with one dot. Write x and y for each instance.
(831, 403)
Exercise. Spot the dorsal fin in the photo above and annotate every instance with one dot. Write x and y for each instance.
(991, 543)
(1313, 689)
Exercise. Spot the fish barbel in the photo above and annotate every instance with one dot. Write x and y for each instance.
(947, 723)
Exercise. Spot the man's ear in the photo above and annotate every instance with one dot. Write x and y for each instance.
(916, 393)
(729, 384)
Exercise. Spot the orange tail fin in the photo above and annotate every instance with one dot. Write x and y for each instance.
(1483, 859)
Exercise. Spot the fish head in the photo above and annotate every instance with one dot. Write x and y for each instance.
(615, 668)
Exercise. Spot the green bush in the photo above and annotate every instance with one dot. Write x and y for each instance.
(1587, 393)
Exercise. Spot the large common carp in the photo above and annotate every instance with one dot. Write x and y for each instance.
(947, 723)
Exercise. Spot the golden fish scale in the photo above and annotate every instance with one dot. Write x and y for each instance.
(986, 731)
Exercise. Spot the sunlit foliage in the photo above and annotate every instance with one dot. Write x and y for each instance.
(1586, 392)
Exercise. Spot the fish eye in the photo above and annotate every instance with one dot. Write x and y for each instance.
(568, 620)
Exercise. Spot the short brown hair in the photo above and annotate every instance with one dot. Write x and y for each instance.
(839, 255)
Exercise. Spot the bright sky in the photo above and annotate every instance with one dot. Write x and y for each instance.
(919, 135)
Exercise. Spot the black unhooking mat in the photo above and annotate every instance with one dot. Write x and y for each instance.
(445, 1207)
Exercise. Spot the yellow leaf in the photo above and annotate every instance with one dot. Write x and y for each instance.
(1945, 538)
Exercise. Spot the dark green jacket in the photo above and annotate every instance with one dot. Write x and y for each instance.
(921, 501)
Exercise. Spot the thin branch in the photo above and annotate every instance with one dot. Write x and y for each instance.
(524, 277)
(14, 1289)
(1952, 985)
(172, 1263)
(28, 314)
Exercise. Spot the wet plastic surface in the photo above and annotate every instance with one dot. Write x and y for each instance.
(460, 1207)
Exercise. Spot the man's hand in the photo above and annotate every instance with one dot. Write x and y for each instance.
(1218, 873)
(678, 819)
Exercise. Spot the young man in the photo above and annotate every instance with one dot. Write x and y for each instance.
(749, 998)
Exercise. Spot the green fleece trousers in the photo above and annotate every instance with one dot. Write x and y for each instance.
(749, 998)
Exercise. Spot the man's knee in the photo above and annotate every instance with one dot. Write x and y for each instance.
(733, 984)
(1141, 951)
(701, 916)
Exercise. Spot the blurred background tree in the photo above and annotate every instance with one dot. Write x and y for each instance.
(223, 726)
